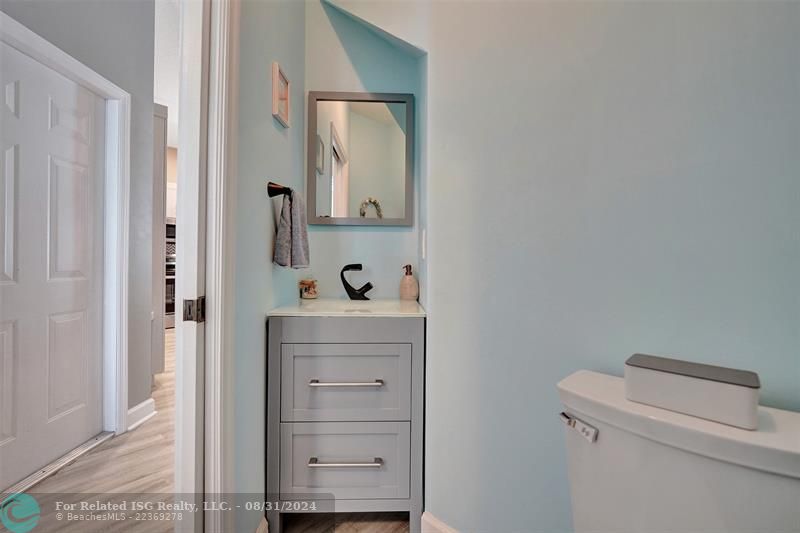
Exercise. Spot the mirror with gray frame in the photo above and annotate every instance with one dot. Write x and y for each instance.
(360, 159)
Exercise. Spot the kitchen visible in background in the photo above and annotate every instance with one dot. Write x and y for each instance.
(170, 218)
(169, 272)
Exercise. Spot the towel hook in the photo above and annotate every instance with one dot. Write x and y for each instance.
(276, 189)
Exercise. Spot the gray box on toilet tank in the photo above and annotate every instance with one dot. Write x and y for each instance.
(725, 395)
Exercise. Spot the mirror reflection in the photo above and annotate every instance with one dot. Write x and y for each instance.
(360, 159)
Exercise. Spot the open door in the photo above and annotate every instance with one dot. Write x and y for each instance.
(191, 257)
(206, 142)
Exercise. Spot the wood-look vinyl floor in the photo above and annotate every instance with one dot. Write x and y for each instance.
(142, 462)
(346, 523)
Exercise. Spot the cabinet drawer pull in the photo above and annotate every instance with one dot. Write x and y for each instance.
(313, 462)
(317, 383)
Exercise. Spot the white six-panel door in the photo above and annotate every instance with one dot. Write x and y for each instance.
(52, 157)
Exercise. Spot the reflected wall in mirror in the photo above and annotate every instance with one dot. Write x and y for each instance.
(360, 160)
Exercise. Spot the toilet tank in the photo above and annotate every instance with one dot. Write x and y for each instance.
(651, 470)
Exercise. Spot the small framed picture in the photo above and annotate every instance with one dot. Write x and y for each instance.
(320, 155)
(280, 95)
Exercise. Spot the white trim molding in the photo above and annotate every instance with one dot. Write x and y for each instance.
(141, 413)
(195, 18)
(431, 524)
(223, 89)
(116, 217)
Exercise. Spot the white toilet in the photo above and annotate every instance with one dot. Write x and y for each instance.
(647, 469)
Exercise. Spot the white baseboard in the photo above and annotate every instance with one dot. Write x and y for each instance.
(431, 524)
(141, 413)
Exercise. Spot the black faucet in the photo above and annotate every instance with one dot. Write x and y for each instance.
(352, 292)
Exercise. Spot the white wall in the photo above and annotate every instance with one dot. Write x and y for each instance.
(604, 178)
(116, 40)
(167, 63)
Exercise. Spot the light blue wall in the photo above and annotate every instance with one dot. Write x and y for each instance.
(343, 55)
(270, 31)
(605, 178)
(377, 165)
(278, 31)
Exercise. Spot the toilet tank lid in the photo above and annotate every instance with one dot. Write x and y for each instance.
(774, 447)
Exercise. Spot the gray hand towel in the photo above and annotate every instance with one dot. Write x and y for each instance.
(291, 243)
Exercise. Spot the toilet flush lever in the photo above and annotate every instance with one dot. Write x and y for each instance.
(587, 432)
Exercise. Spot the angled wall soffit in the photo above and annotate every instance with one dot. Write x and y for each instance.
(408, 47)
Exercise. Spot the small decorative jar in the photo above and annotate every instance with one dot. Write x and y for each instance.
(308, 289)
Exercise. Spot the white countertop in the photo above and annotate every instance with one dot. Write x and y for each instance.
(355, 308)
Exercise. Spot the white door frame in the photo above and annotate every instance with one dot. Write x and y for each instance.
(190, 245)
(116, 211)
(206, 156)
(223, 94)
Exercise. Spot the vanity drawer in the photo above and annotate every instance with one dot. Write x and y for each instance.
(350, 460)
(345, 382)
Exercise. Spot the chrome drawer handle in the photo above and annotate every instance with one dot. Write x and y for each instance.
(318, 383)
(313, 462)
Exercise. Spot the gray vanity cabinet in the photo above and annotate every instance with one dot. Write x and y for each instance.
(345, 412)
(345, 382)
(376, 454)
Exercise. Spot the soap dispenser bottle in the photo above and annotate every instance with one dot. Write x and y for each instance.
(409, 287)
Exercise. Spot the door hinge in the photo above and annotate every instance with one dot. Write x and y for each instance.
(194, 310)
